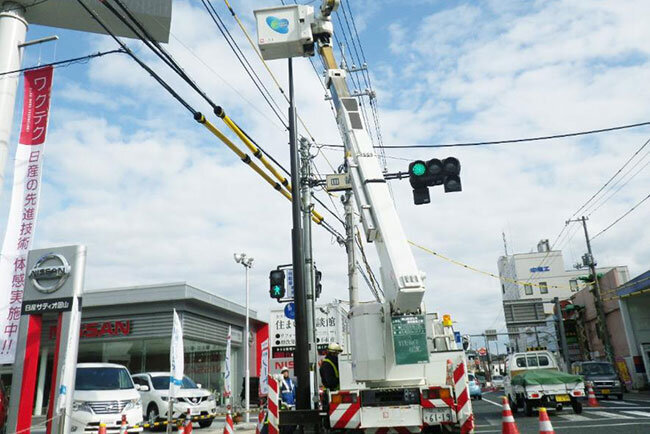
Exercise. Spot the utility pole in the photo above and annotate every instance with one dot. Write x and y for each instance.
(301, 354)
(309, 264)
(353, 278)
(560, 323)
(604, 330)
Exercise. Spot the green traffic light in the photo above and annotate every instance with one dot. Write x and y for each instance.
(419, 169)
(276, 290)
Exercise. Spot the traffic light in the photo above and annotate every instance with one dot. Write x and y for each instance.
(318, 286)
(423, 175)
(419, 179)
(277, 289)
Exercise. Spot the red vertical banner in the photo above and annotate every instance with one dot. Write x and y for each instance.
(263, 356)
(30, 366)
(21, 221)
(36, 106)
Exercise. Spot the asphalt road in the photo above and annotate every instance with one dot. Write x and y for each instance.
(630, 416)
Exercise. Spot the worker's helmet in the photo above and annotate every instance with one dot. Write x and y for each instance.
(334, 348)
(283, 370)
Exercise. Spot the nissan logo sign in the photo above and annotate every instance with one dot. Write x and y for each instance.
(49, 278)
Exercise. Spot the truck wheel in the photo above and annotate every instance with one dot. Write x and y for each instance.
(528, 407)
(577, 406)
(205, 423)
(513, 405)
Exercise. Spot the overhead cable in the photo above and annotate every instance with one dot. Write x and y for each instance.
(504, 142)
(621, 217)
(64, 63)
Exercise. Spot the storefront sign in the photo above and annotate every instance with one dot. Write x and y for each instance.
(263, 358)
(46, 306)
(101, 329)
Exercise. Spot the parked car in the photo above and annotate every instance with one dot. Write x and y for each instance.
(154, 390)
(474, 387)
(103, 393)
(4, 406)
(602, 376)
(497, 381)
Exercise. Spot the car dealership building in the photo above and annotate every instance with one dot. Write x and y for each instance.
(132, 326)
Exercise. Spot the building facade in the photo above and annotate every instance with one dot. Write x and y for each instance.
(541, 275)
(132, 326)
(634, 300)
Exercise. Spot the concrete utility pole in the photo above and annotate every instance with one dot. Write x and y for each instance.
(560, 323)
(604, 330)
(310, 288)
(353, 278)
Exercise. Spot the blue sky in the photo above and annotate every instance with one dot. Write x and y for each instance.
(156, 199)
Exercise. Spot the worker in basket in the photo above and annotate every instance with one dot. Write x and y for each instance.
(287, 389)
(329, 368)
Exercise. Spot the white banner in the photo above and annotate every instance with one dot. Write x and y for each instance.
(176, 358)
(227, 393)
(21, 222)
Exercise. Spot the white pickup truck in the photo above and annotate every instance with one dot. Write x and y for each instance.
(534, 380)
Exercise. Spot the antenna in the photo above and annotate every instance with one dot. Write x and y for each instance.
(505, 242)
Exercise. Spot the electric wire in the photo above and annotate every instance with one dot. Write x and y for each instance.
(621, 217)
(65, 63)
(509, 141)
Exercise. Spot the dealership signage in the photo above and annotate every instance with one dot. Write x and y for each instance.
(100, 329)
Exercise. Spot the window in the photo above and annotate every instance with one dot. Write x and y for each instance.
(521, 362)
(503, 288)
(573, 283)
(543, 288)
(162, 383)
(532, 361)
(103, 378)
(543, 360)
(528, 289)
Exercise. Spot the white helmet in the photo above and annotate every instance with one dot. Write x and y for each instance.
(334, 348)
(283, 370)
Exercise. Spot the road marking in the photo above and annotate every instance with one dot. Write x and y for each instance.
(496, 422)
(617, 408)
(573, 417)
(609, 415)
(638, 413)
(620, 403)
(492, 402)
(601, 425)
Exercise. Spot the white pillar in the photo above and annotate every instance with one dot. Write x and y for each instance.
(13, 29)
(40, 387)
(247, 392)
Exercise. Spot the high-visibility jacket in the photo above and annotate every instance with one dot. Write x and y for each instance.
(288, 391)
(329, 372)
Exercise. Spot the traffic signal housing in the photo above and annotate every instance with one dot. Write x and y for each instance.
(277, 289)
(423, 175)
(318, 286)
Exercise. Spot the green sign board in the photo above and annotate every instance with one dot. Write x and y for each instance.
(410, 340)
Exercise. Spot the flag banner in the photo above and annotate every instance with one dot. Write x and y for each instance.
(263, 358)
(23, 210)
(227, 393)
(176, 358)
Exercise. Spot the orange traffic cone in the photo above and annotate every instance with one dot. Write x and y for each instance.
(545, 426)
(592, 402)
(123, 425)
(508, 425)
(229, 427)
(102, 428)
(181, 428)
(188, 422)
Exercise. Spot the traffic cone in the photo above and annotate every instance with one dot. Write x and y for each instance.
(181, 428)
(123, 425)
(545, 426)
(188, 422)
(592, 401)
(229, 427)
(102, 428)
(508, 425)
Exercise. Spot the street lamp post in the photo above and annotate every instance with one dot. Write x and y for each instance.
(242, 258)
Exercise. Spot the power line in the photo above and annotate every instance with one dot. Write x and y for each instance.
(65, 63)
(610, 179)
(504, 142)
(621, 217)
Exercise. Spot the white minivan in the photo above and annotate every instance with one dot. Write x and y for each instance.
(103, 393)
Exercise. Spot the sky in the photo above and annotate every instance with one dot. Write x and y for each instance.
(156, 198)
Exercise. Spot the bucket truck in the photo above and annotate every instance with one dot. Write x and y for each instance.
(403, 372)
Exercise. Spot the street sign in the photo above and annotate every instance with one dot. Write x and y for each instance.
(410, 340)
(482, 351)
(290, 310)
(524, 313)
(491, 334)
(289, 294)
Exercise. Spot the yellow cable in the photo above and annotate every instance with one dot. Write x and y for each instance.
(316, 217)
